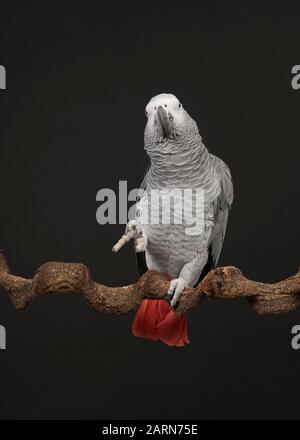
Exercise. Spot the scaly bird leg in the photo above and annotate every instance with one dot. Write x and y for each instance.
(189, 275)
(133, 231)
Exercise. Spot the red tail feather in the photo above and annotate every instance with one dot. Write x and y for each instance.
(155, 319)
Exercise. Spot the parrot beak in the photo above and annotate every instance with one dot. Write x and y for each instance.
(164, 123)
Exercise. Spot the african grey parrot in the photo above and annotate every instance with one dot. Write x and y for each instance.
(179, 160)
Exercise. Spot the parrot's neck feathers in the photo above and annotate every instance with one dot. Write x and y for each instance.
(184, 167)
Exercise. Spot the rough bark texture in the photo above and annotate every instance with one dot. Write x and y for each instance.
(221, 283)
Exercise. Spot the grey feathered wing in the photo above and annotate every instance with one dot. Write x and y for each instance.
(141, 256)
(221, 206)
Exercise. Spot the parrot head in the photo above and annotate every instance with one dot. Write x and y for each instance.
(169, 125)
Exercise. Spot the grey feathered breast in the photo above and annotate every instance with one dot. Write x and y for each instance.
(169, 247)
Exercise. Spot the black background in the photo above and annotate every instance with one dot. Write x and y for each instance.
(78, 78)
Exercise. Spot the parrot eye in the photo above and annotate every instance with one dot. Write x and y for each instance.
(179, 105)
(146, 113)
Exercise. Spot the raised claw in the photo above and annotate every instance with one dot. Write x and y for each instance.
(133, 231)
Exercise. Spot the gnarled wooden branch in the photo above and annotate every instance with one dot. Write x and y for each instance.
(221, 283)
